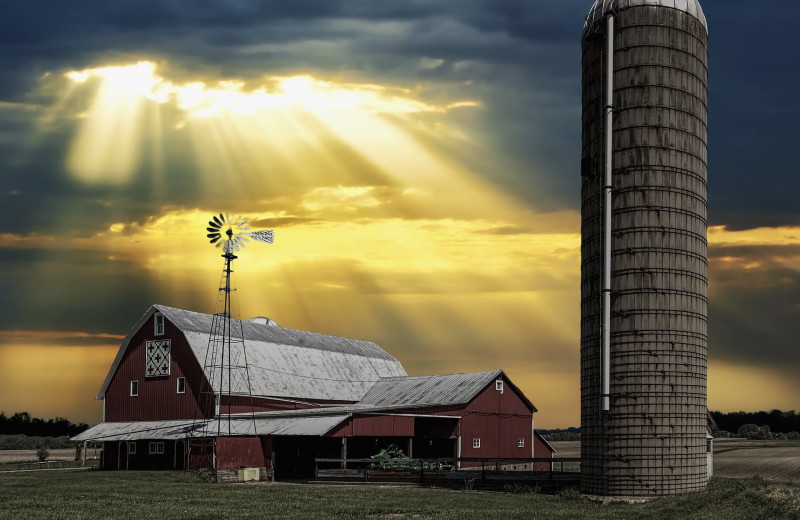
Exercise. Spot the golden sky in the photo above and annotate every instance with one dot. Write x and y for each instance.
(388, 228)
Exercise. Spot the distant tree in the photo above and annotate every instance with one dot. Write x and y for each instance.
(793, 436)
(747, 428)
(42, 452)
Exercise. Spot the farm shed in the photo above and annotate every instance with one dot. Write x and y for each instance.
(310, 396)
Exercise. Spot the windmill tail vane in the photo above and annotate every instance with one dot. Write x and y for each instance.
(237, 233)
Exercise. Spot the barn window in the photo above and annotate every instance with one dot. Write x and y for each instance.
(134, 388)
(498, 385)
(159, 324)
(476, 443)
(521, 442)
(181, 385)
(157, 358)
(156, 448)
(131, 448)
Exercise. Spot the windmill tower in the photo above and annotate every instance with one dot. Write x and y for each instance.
(644, 259)
(226, 389)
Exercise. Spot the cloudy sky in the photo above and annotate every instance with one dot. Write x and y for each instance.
(419, 161)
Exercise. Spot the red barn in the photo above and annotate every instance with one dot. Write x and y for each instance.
(305, 396)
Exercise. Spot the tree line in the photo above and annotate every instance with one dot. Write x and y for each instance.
(21, 423)
(774, 422)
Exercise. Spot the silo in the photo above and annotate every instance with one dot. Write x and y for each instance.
(644, 251)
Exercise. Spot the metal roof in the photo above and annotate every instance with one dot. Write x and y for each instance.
(601, 7)
(441, 390)
(172, 430)
(281, 362)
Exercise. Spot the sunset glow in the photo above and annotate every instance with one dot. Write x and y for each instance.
(428, 203)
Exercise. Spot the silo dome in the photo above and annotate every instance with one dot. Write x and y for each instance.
(601, 7)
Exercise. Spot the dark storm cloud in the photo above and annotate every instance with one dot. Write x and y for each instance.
(515, 58)
(754, 316)
(521, 58)
(753, 114)
(71, 290)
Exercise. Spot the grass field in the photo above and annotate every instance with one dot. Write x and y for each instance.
(178, 495)
(68, 494)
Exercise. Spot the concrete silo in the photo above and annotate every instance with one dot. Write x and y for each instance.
(644, 251)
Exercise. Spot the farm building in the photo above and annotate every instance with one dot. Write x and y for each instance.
(306, 396)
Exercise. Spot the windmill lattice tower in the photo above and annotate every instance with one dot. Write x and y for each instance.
(226, 392)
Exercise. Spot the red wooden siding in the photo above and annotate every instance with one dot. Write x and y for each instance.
(158, 396)
(235, 452)
(499, 420)
(541, 450)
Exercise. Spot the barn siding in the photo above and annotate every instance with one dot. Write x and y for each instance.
(158, 397)
(499, 420)
(235, 452)
(541, 450)
(383, 426)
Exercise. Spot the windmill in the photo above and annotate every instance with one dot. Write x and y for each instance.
(225, 366)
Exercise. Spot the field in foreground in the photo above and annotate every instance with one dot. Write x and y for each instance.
(168, 495)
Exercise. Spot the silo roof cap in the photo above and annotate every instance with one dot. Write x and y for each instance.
(601, 7)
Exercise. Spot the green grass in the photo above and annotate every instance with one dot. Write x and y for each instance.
(168, 495)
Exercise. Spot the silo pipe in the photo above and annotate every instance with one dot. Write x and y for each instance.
(607, 186)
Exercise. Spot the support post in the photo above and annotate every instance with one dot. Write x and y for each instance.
(83, 453)
(344, 453)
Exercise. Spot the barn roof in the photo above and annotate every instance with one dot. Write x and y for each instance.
(281, 362)
(181, 429)
(439, 390)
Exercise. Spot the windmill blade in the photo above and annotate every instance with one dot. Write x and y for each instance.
(267, 236)
(219, 223)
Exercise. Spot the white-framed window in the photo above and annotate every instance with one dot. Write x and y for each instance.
(156, 448)
(131, 448)
(134, 388)
(181, 385)
(158, 321)
(476, 443)
(521, 442)
(498, 385)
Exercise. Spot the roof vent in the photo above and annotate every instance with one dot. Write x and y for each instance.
(261, 320)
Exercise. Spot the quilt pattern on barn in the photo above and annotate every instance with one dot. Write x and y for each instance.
(157, 358)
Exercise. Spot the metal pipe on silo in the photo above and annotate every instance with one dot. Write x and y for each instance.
(605, 394)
